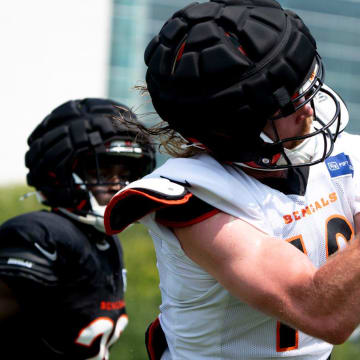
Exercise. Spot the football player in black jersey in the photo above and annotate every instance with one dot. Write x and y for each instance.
(62, 279)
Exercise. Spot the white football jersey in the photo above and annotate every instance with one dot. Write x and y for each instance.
(200, 318)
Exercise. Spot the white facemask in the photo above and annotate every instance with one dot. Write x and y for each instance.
(325, 109)
(312, 148)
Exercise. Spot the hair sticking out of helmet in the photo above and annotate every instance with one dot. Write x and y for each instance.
(80, 139)
(218, 71)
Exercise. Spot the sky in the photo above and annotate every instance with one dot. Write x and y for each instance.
(52, 51)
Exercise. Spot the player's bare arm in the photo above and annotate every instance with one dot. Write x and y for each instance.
(276, 278)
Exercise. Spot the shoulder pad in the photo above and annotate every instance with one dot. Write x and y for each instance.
(140, 198)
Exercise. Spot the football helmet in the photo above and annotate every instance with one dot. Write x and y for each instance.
(219, 71)
(78, 148)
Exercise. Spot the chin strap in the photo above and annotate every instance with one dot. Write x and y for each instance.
(95, 217)
(90, 219)
(304, 153)
(39, 196)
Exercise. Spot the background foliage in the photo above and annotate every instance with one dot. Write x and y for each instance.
(142, 296)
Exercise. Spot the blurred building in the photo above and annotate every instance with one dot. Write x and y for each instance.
(134, 24)
(335, 24)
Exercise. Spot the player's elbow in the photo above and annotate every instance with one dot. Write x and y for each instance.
(333, 331)
(336, 337)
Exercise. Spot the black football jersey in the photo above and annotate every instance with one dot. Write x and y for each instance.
(69, 280)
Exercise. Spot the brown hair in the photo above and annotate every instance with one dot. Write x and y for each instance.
(167, 139)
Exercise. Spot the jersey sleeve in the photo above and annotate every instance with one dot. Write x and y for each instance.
(173, 203)
(21, 259)
(189, 213)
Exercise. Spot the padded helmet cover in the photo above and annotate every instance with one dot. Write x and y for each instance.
(218, 70)
(70, 130)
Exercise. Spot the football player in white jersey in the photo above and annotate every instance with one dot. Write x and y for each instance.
(247, 217)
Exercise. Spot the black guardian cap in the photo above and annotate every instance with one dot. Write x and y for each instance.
(217, 71)
(76, 131)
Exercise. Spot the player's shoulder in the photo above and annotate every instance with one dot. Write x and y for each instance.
(46, 228)
(174, 203)
(36, 221)
(347, 136)
(182, 191)
(348, 143)
(42, 240)
(351, 143)
(28, 221)
(199, 168)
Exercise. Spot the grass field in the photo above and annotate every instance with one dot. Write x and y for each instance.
(142, 296)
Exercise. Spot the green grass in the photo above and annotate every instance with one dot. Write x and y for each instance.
(10, 203)
(347, 351)
(142, 296)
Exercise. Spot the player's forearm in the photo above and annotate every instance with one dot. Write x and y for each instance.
(331, 304)
(323, 302)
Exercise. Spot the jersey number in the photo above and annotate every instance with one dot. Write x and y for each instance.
(103, 327)
(337, 228)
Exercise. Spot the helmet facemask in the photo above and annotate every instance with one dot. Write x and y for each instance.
(103, 174)
(315, 144)
(120, 163)
(77, 150)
